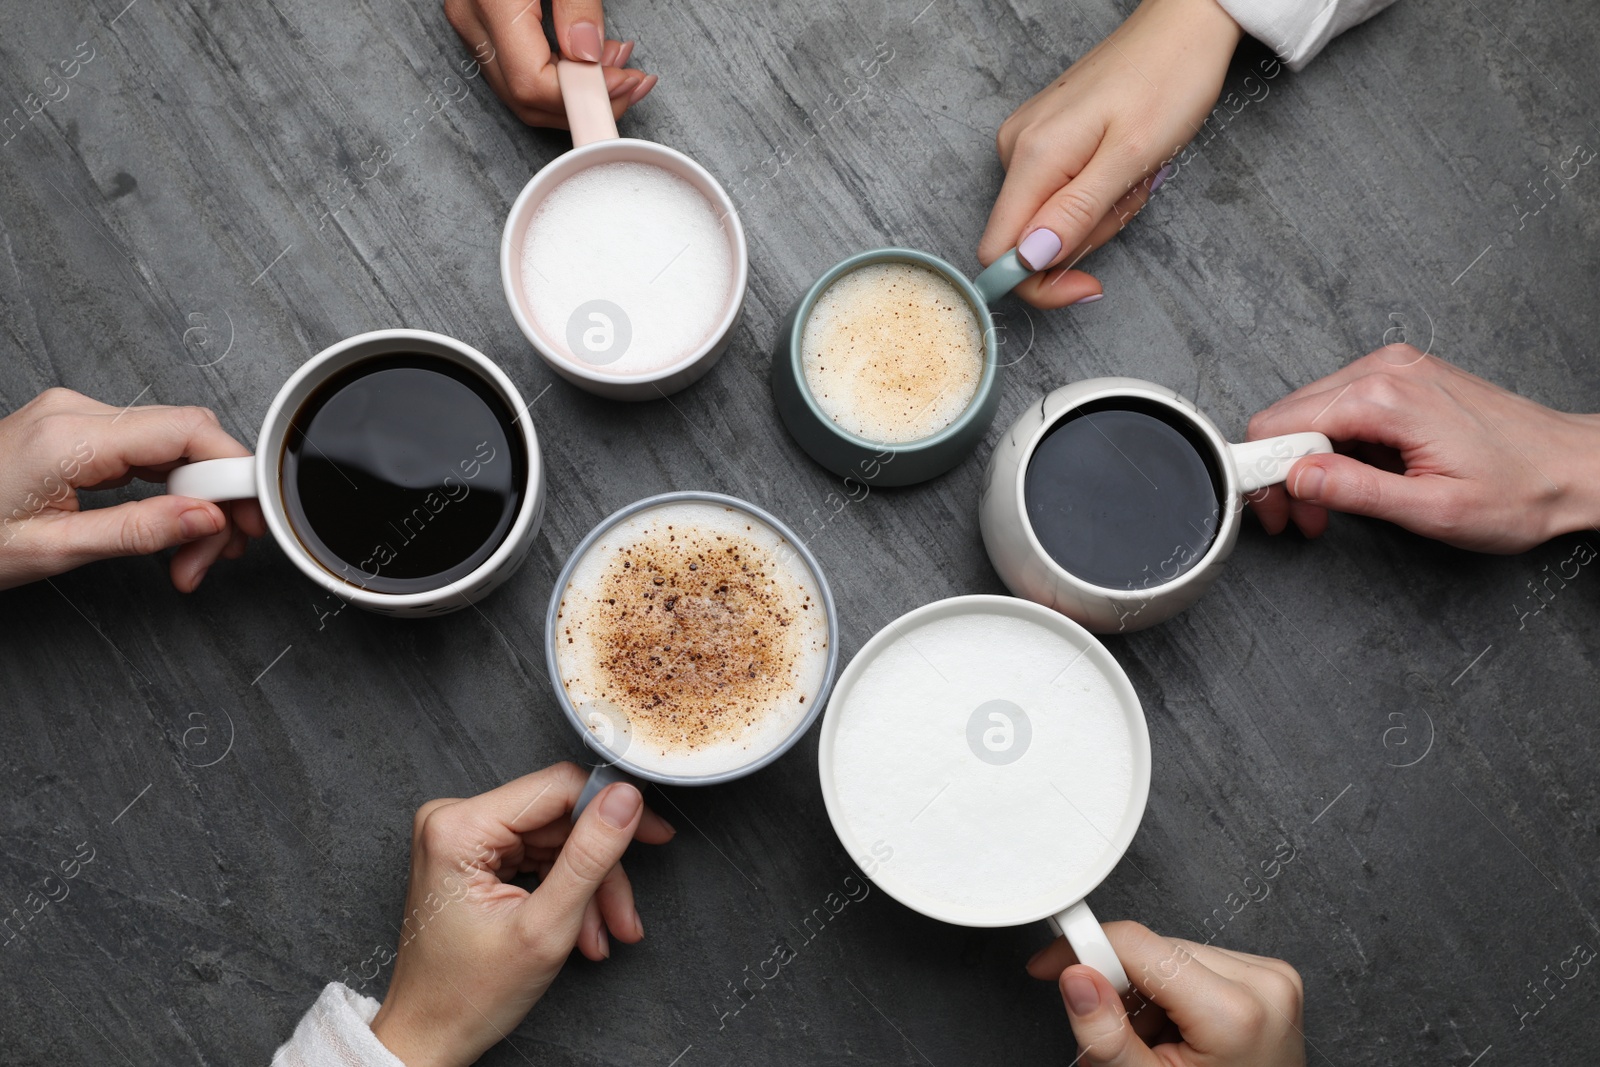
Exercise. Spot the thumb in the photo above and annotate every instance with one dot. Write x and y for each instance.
(1066, 221)
(136, 528)
(1342, 483)
(1099, 1022)
(594, 847)
(580, 29)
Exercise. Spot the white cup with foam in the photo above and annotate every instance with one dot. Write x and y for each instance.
(623, 261)
(661, 542)
(986, 762)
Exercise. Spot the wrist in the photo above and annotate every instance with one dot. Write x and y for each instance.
(414, 1044)
(1577, 506)
(1204, 22)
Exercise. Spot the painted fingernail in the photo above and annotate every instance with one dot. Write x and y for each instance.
(199, 522)
(1091, 298)
(643, 89)
(1039, 248)
(200, 577)
(1082, 996)
(638, 923)
(624, 53)
(618, 83)
(1161, 176)
(1035, 957)
(1308, 483)
(585, 41)
(605, 944)
(620, 804)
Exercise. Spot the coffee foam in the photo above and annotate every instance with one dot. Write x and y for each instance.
(696, 627)
(641, 238)
(892, 352)
(963, 832)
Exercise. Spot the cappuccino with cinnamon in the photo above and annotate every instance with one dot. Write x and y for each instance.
(694, 628)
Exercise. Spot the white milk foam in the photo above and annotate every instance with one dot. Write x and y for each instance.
(711, 669)
(966, 833)
(641, 238)
(892, 352)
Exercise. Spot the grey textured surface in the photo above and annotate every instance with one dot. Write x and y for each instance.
(173, 207)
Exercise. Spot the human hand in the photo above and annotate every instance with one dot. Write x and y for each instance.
(1445, 454)
(61, 442)
(507, 39)
(1081, 157)
(478, 951)
(1192, 1004)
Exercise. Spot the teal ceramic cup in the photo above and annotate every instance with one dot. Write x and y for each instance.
(897, 463)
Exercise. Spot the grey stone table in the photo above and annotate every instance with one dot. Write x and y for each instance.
(185, 221)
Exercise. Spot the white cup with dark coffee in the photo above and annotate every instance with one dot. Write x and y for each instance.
(396, 469)
(1115, 501)
(691, 640)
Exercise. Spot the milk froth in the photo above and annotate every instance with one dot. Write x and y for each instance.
(892, 352)
(636, 237)
(964, 832)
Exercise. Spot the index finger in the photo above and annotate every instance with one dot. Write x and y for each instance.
(1167, 972)
(522, 54)
(151, 437)
(1033, 177)
(1361, 409)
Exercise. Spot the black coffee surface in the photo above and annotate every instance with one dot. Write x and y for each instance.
(1122, 498)
(403, 473)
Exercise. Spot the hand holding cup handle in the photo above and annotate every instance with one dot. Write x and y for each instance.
(1029, 571)
(1088, 940)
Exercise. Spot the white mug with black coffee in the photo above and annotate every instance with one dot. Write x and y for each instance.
(691, 639)
(1115, 501)
(397, 469)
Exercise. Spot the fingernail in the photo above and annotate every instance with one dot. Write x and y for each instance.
(1308, 483)
(625, 53)
(1039, 248)
(1091, 298)
(638, 923)
(1082, 996)
(584, 40)
(198, 578)
(605, 944)
(617, 83)
(642, 90)
(1161, 176)
(1035, 957)
(199, 522)
(620, 804)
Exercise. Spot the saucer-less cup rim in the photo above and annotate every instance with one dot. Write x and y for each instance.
(1070, 915)
(258, 475)
(558, 594)
(1227, 456)
(619, 149)
(993, 283)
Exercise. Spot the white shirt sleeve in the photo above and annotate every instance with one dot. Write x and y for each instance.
(336, 1032)
(1298, 29)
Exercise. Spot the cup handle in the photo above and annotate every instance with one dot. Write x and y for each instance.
(1082, 931)
(1267, 462)
(583, 94)
(1000, 277)
(215, 479)
(600, 777)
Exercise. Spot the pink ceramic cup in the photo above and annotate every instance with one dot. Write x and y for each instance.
(595, 141)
